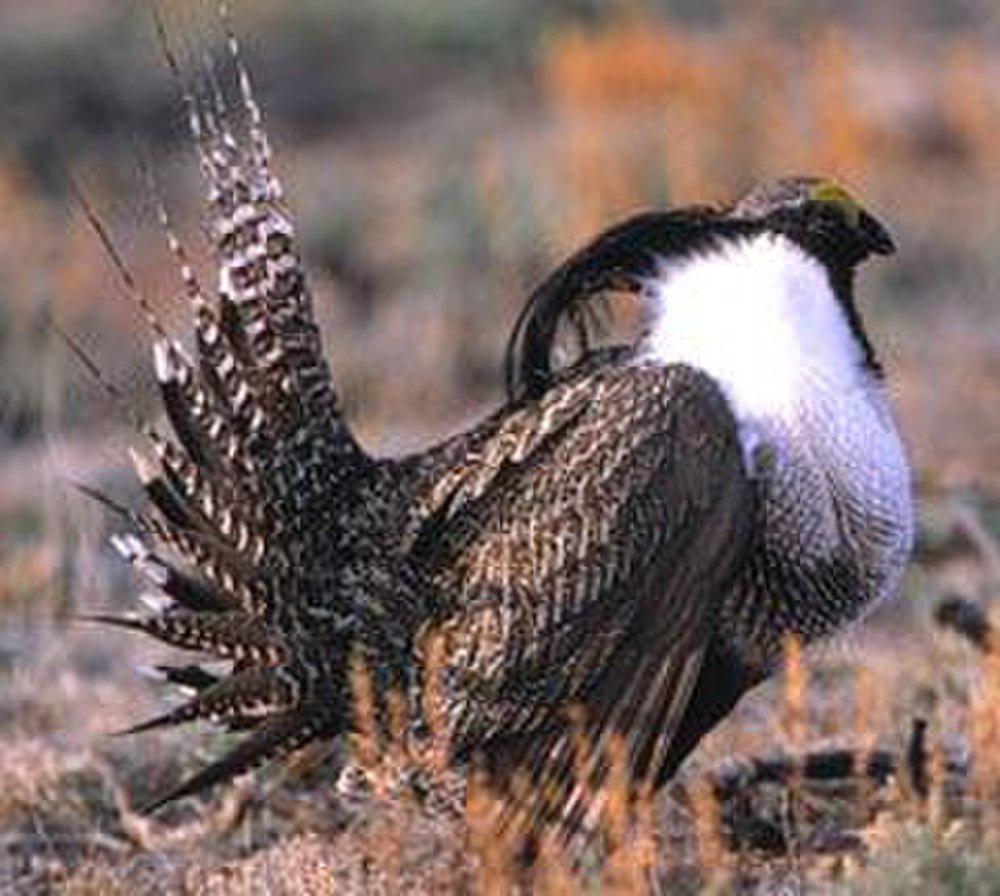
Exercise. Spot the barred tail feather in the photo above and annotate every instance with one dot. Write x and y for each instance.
(190, 679)
(230, 635)
(253, 694)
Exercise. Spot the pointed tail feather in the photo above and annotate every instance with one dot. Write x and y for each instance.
(254, 693)
(277, 736)
(189, 678)
(232, 635)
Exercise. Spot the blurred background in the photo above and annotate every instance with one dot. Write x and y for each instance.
(440, 156)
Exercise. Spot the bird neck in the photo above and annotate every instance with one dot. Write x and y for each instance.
(762, 318)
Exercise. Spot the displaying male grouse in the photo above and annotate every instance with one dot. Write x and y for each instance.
(634, 535)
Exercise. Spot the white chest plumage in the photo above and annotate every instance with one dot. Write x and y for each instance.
(760, 317)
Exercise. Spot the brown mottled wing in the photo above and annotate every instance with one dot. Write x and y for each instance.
(587, 545)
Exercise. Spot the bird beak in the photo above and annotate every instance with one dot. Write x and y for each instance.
(875, 237)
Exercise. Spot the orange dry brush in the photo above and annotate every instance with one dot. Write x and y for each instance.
(622, 822)
(984, 731)
(794, 721)
(842, 134)
(971, 102)
(647, 107)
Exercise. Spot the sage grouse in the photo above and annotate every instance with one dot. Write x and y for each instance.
(626, 542)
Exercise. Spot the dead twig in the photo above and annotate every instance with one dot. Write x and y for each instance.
(967, 618)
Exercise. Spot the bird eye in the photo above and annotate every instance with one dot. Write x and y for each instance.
(830, 192)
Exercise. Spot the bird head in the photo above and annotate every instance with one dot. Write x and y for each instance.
(820, 215)
(815, 213)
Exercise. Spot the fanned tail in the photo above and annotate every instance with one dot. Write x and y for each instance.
(265, 542)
